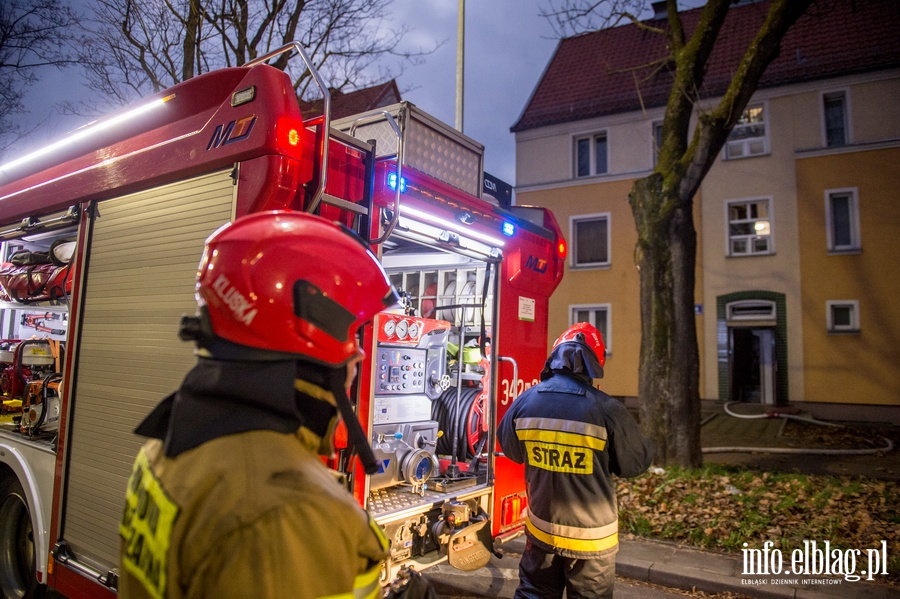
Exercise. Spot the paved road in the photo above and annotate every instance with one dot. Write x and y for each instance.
(475, 585)
(500, 578)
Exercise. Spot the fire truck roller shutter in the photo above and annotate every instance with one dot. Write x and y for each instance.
(143, 256)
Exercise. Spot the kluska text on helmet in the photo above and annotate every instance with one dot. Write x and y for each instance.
(242, 309)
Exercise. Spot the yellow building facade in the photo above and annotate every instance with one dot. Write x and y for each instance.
(851, 330)
(798, 273)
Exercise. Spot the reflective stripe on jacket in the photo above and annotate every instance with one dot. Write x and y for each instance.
(254, 514)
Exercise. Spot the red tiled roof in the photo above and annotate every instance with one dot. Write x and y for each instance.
(600, 73)
(355, 102)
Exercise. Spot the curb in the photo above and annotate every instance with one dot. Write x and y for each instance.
(676, 566)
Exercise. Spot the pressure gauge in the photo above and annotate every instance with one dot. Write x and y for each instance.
(402, 328)
(389, 327)
(413, 330)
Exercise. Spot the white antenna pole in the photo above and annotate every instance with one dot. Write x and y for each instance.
(460, 60)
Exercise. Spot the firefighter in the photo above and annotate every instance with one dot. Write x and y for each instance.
(230, 498)
(572, 438)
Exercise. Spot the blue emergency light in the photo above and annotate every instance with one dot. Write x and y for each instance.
(508, 229)
(392, 182)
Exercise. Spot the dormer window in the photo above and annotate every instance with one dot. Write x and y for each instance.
(748, 138)
(591, 155)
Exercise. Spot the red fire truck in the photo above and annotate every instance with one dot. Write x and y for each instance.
(101, 236)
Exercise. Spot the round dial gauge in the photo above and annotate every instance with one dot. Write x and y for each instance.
(413, 330)
(402, 328)
(389, 327)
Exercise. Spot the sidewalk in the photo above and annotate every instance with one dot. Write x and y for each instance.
(690, 569)
(663, 564)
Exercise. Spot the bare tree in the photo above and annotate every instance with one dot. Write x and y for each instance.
(132, 48)
(662, 203)
(32, 36)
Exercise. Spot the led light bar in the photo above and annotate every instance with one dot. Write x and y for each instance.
(451, 226)
(86, 132)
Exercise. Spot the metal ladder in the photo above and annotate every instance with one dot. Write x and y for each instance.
(318, 194)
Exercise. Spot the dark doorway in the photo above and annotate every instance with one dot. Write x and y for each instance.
(752, 364)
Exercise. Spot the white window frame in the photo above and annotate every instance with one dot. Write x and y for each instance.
(853, 305)
(751, 310)
(855, 244)
(847, 133)
(605, 330)
(736, 149)
(573, 239)
(729, 248)
(592, 147)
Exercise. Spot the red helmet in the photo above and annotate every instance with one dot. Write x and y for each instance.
(586, 334)
(292, 283)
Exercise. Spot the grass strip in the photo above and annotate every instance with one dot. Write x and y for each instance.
(722, 507)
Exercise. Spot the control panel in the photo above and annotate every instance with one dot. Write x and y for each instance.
(400, 370)
(410, 364)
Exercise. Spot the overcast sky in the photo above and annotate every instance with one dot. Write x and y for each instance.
(507, 48)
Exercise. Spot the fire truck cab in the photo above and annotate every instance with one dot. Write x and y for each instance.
(101, 236)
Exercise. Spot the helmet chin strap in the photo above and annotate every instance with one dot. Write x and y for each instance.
(198, 328)
(355, 435)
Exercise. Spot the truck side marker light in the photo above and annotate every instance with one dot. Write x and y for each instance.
(86, 132)
(243, 96)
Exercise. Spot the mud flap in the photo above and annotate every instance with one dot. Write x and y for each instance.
(470, 548)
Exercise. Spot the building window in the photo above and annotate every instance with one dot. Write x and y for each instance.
(749, 227)
(834, 108)
(597, 315)
(842, 316)
(751, 310)
(590, 240)
(748, 138)
(842, 220)
(591, 155)
(657, 140)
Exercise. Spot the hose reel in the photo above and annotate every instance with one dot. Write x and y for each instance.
(465, 424)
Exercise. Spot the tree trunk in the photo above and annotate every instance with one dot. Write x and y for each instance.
(191, 40)
(669, 361)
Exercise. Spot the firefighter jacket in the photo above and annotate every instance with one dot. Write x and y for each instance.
(572, 438)
(247, 514)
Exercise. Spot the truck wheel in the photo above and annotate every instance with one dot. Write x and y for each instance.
(18, 579)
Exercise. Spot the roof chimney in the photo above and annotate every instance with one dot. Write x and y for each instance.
(659, 9)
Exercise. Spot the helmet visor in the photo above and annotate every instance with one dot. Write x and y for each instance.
(321, 311)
